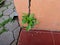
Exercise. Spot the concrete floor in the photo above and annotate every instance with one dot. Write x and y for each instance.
(10, 36)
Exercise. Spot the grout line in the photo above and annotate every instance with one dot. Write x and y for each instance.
(53, 38)
(13, 37)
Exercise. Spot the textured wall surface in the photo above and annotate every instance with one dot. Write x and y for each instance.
(46, 11)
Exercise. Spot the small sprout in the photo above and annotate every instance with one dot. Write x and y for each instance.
(3, 30)
(1, 2)
(1, 15)
(3, 24)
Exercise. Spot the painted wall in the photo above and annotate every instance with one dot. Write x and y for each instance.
(46, 11)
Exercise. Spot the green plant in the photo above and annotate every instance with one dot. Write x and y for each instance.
(1, 15)
(1, 2)
(3, 24)
(30, 20)
(3, 30)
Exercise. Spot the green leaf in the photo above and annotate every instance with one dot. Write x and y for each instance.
(31, 17)
(24, 21)
(5, 22)
(1, 15)
(31, 23)
(3, 30)
(0, 0)
(28, 28)
(30, 20)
